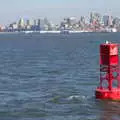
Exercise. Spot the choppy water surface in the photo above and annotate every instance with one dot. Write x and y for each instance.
(52, 77)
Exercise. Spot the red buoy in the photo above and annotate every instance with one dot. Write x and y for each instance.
(109, 87)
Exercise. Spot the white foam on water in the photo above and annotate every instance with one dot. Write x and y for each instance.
(78, 97)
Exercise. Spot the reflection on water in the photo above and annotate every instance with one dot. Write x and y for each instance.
(110, 110)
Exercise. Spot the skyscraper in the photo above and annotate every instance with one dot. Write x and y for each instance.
(106, 20)
(21, 23)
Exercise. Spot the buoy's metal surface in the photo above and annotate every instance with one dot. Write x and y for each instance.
(109, 87)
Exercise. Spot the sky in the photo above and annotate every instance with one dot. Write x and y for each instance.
(54, 10)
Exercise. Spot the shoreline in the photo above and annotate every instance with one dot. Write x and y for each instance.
(52, 32)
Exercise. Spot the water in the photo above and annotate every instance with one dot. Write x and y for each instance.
(53, 77)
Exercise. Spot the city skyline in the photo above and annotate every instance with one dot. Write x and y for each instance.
(95, 22)
(13, 10)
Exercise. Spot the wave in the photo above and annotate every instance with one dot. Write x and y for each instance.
(78, 97)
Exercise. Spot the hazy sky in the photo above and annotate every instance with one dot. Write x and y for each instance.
(55, 10)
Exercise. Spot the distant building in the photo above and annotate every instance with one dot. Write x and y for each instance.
(91, 18)
(21, 24)
(106, 20)
(95, 18)
(82, 19)
(82, 22)
(38, 22)
(110, 20)
(35, 23)
(70, 21)
(2, 28)
(13, 27)
(28, 24)
(116, 22)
